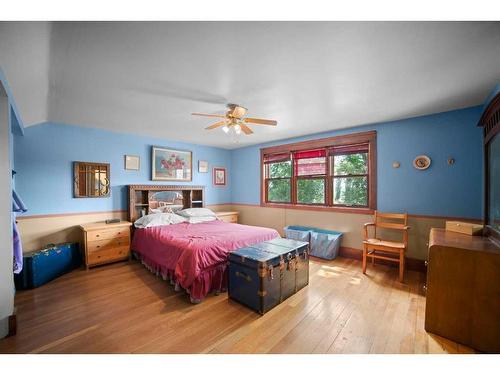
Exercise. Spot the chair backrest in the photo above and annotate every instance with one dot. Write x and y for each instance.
(389, 220)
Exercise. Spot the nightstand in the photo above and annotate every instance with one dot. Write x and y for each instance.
(228, 216)
(106, 243)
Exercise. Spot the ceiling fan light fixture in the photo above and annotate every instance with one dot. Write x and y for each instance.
(234, 123)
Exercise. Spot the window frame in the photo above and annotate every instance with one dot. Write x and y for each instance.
(369, 138)
(265, 167)
(333, 176)
(296, 178)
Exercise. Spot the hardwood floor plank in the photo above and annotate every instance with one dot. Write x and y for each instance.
(123, 308)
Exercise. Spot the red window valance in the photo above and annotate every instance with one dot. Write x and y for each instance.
(310, 162)
(307, 154)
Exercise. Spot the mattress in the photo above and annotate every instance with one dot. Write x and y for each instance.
(194, 256)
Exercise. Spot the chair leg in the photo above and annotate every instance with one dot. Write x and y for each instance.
(365, 250)
(401, 266)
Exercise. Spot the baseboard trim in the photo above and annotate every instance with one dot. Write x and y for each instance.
(13, 323)
(411, 263)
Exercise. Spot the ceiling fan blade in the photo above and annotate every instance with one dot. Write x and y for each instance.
(246, 129)
(216, 125)
(260, 121)
(208, 115)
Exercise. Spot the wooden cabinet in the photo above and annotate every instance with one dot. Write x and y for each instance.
(463, 289)
(228, 217)
(144, 198)
(106, 243)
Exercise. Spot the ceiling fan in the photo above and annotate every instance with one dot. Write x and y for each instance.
(233, 120)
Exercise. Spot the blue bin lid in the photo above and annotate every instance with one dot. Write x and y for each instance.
(312, 229)
(325, 231)
(298, 227)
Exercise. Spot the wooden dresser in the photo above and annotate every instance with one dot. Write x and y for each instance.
(228, 216)
(106, 243)
(463, 289)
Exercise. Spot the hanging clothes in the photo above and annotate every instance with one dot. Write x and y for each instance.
(18, 249)
(17, 203)
(17, 206)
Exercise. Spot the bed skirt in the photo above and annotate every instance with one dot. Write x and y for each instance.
(213, 279)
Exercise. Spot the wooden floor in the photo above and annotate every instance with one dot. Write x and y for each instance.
(122, 308)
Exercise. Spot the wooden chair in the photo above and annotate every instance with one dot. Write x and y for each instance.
(392, 251)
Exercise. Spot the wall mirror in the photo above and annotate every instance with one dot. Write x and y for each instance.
(166, 201)
(91, 180)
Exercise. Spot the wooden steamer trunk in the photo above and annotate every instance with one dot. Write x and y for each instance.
(263, 275)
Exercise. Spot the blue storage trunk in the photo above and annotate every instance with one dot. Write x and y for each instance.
(42, 266)
(323, 243)
(264, 274)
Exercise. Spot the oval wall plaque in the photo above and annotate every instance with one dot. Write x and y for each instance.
(422, 162)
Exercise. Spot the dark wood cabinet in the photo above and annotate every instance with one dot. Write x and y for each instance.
(463, 289)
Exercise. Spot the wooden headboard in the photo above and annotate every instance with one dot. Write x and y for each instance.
(141, 197)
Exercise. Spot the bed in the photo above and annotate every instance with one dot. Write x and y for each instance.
(194, 256)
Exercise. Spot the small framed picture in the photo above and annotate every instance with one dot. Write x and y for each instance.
(202, 166)
(132, 162)
(219, 176)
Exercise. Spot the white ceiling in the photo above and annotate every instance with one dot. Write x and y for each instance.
(147, 78)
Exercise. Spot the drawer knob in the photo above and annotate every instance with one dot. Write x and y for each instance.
(97, 235)
(426, 263)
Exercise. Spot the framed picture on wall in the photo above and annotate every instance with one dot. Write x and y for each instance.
(202, 166)
(219, 176)
(132, 162)
(170, 165)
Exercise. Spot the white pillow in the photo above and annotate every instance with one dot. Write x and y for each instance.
(155, 220)
(200, 219)
(192, 212)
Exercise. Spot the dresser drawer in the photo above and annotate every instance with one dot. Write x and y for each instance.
(107, 244)
(108, 233)
(104, 256)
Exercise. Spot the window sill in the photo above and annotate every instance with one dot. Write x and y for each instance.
(310, 207)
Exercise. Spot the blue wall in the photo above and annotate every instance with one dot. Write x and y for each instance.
(44, 156)
(441, 190)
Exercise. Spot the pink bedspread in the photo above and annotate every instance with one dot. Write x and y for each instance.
(195, 255)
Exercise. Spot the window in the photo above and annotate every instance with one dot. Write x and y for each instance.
(350, 175)
(278, 178)
(336, 173)
(310, 173)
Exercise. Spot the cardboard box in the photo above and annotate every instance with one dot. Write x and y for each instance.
(466, 228)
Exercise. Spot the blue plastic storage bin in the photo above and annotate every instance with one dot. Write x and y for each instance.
(325, 243)
(322, 243)
(295, 232)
